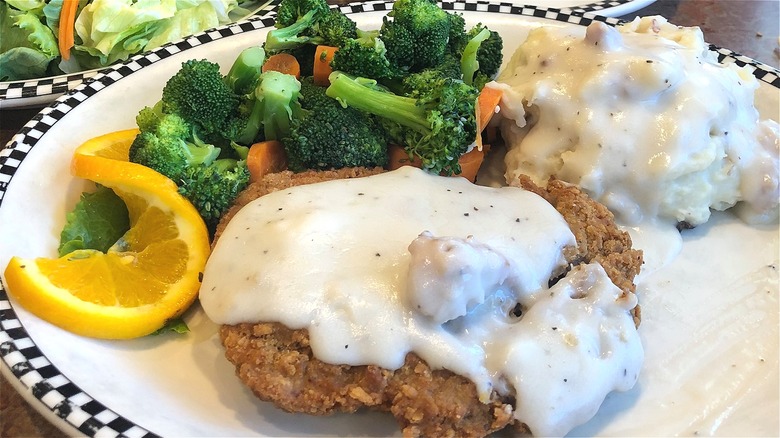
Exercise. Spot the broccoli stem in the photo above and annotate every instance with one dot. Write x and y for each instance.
(198, 152)
(240, 150)
(278, 94)
(271, 105)
(254, 122)
(225, 164)
(362, 94)
(246, 69)
(201, 154)
(468, 61)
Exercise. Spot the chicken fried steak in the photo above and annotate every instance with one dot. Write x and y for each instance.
(279, 366)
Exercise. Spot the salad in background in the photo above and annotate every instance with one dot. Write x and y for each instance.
(40, 38)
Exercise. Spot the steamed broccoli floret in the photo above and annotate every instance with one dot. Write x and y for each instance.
(366, 57)
(429, 27)
(415, 84)
(313, 96)
(213, 188)
(482, 56)
(296, 24)
(295, 35)
(168, 144)
(438, 126)
(335, 28)
(268, 110)
(199, 94)
(290, 11)
(302, 23)
(328, 135)
(196, 102)
(458, 35)
(399, 43)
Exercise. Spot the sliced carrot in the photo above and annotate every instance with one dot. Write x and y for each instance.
(322, 69)
(67, 25)
(265, 157)
(283, 63)
(471, 161)
(486, 106)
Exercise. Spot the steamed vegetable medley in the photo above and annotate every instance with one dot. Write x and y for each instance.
(51, 37)
(320, 93)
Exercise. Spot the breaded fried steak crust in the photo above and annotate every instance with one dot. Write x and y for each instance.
(278, 365)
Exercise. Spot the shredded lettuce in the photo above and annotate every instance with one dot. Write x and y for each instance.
(98, 221)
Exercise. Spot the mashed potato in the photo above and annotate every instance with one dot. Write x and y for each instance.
(644, 119)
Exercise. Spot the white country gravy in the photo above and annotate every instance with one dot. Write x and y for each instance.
(356, 262)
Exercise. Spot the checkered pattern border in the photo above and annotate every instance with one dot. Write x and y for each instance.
(18, 350)
(597, 7)
(52, 86)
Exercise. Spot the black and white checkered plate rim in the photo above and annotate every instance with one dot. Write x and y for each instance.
(50, 86)
(29, 366)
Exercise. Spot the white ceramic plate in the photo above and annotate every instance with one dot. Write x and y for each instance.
(39, 92)
(710, 321)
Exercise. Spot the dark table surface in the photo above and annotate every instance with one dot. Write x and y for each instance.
(748, 27)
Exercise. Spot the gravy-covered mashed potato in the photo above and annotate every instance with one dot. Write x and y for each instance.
(377, 267)
(644, 119)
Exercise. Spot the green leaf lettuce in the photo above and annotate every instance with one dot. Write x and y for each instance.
(98, 221)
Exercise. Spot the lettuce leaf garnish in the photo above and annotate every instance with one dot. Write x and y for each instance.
(98, 221)
(175, 325)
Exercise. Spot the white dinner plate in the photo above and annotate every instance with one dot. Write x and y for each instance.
(32, 93)
(709, 328)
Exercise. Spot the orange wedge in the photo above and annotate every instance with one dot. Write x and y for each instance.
(114, 145)
(152, 274)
